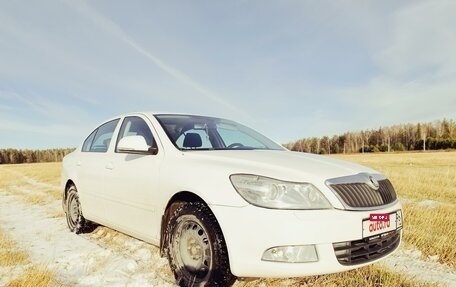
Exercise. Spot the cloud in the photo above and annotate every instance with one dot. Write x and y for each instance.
(416, 69)
(39, 106)
(6, 108)
(423, 41)
(297, 69)
(70, 64)
(109, 26)
(24, 134)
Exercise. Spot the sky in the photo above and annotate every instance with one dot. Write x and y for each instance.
(289, 69)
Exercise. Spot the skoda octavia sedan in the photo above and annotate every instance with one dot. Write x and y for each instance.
(223, 201)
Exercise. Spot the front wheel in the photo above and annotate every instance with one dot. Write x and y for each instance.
(76, 222)
(196, 248)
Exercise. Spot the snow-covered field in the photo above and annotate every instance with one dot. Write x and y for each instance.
(108, 258)
(79, 260)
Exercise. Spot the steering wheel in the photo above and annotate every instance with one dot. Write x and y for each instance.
(235, 145)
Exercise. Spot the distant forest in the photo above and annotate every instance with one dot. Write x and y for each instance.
(435, 135)
(9, 156)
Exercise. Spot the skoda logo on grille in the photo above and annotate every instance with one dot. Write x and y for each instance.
(373, 182)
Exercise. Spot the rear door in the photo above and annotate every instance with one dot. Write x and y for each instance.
(91, 166)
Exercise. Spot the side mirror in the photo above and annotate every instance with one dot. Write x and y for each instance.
(135, 144)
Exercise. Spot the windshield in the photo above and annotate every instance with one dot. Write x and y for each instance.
(206, 133)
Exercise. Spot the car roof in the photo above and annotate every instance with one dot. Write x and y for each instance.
(154, 113)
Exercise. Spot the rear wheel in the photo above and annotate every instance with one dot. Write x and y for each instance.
(76, 222)
(196, 248)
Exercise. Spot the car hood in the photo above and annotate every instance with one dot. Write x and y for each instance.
(284, 165)
(207, 172)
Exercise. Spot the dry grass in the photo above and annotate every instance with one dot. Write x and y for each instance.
(35, 183)
(426, 184)
(432, 231)
(369, 276)
(34, 277)
(48, 172)
(53, 193)
(10, 255)
(416, 176)
(56, 214)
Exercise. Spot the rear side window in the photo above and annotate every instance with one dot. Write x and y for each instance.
(88, 142)
(99, 140)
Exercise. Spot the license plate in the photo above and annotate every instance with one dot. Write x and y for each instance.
(379, 217)
(371, 228)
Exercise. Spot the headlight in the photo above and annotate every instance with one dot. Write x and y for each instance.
(273, 193)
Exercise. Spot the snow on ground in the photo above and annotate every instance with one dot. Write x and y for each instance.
(78, 260)
(429, 203)
(409, 262)
(426, 203)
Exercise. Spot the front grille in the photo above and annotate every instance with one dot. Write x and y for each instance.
(367, 249)
(362, 195)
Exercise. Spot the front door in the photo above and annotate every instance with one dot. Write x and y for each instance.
(131, 182)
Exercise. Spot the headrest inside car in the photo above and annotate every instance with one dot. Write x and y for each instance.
(192, 140)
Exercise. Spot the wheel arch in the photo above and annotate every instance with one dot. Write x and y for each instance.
(182, 196)
(68, 183)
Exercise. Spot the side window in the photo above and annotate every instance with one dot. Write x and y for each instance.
(88, 141)
(135, 126)
(103, 137)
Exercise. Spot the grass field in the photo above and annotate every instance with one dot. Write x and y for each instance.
(425, 183)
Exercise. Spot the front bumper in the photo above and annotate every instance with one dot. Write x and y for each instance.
(249, 231)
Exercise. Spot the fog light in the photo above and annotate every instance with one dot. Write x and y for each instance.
(291, 254)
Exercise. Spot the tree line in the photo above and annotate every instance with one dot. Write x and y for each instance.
(435, 135)
(12, 156)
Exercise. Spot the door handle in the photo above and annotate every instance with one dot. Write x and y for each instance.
(109, 166)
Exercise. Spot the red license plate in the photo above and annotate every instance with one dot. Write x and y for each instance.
(379, 217)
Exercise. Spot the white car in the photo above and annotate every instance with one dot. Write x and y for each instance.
(223, 201)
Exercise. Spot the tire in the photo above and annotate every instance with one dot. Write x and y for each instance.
(196, 248)
(75, 220)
